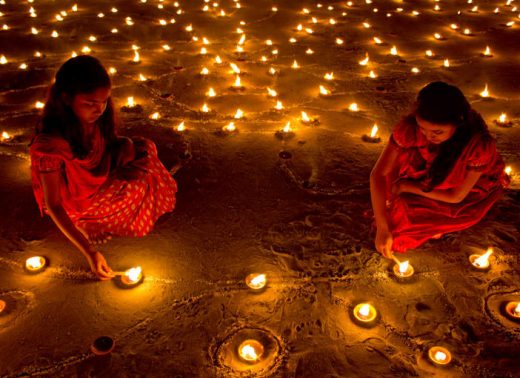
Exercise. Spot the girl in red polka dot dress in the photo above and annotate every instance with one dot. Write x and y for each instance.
(92, 182)
(439, 173)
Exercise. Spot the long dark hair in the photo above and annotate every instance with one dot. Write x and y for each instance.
(82, 74)
(444, 104)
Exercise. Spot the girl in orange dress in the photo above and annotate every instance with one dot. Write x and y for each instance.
(92, 182)
(439, 173)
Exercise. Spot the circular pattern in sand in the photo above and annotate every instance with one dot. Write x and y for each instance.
(17, 304)
(229, 362)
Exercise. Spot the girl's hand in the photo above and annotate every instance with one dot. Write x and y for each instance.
(125, 151)
(99, 266)
(384, 242)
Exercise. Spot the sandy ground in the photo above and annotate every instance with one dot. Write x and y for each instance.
(243, 206)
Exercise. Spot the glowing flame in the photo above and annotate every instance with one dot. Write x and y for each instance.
(305, 117)
(446, 63)
(230, 127)
(205, 108)
(485, 92)
(364, 62)
(155, 115)
(237, 82)
(235, 68)
(373, 133)
(508, 170)
(272, 71)
(5, 136)
(133, 275)
(211, 93)
(218, 60)
(364, 310)
(324, 91)
(181, 127)
(142, 77)
(438, 36)
(39, 105)
(258, 281)
(502, 118)
(440, 356)
(239, 114)
(393, 50)
(203, 51)
(329, 76)
(279, 105)
(339, 41)
(248, 352)
(517, 309)
(353, 107)
(415, 70)
(467, 31)
(204, 71)
(272, 92)
(403, 267)
(483, 260)
(487, 52)
(287, 128)
(34, 263)
(429, 53)
(295, 65)
(130, 102)
(372, 75)
(242, 39)
(377, 41)
(136, 59)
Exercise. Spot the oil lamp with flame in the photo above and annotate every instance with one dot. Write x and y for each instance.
(403, 269)
(487, 52)
(503, 121)
(132, 276)
(324, 91)
(239, 114)
(237, 85)
(229, 128)
(481, 262)
(365, 313)
(439, 355)
(35, 264)
(5, 136)
(485, 92)
(513, 310)
(181, 127)
(372, 138)
(251, 350)
(2, 306)
(306, 120)
(256, 281)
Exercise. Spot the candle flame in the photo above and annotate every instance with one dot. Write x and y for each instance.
(364, 310)
(372, 75)
(259, 280)
(5, 136)
(446, 63)
(487, 52)
(130, 102)
(483, 260)
(272, 92)
(237, 82)
(377, 41)
(287, 128)
(502, 118)
(393, 50)
(305, 117)
(324, 91)
(181, 127)
(329, 76)
(204, 71)
(279, 105)
(239, 114)
(403, 267)
(339, 41)
(364, 62)
(485, 92)
(508, 170)
(230, 127)
(218, 60)
(353, 107)
(205, 108)
(248, 352)
(373, 133)
(136, 57)
(295, 65)
(35, 262)
(235, 68)
(440, 356)
(517, 309)
(155, 115)
(133, 274)
(211, 93)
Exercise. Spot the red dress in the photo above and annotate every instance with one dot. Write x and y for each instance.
(94, 196)
(414, 219)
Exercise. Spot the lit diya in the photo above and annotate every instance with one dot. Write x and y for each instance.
(439, 355)
(365, 313)
(512, 310)
(251, 350)
(286, 132)
(481, 262)
(503, 121)
(35, 264)
(402, 269)
(256, 281)
(306, 120)
(372, 138)
(132, 277)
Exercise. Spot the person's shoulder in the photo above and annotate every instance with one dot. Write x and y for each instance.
(404, 134)
(49, 144)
